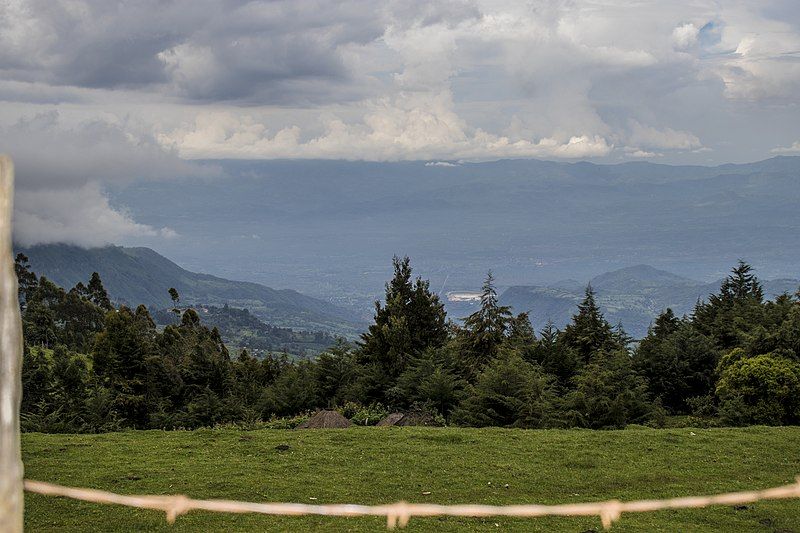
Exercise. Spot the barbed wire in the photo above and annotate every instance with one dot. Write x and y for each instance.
(398, 514)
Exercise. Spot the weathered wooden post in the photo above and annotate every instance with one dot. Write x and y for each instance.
(11, 498)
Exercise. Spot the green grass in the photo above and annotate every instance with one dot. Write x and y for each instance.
(380, 465)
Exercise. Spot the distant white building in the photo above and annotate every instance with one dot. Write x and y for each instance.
(463, 296)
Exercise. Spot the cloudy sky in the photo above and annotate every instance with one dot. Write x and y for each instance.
(95, 92)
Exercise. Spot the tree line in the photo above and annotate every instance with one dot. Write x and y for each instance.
(89, 366)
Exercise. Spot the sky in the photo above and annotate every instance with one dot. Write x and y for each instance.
(96, 93)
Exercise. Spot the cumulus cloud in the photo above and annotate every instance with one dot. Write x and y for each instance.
(793, 148)
(637, 153)
(284, 51)
(410, 128)
(665, 139)
(685, 36)
(80, 216)
(757, 57)
(142, 87)
(60, 169)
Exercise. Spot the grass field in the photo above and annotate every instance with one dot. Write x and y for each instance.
(381, 465)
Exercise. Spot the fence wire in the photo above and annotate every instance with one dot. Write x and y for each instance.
(398, 514)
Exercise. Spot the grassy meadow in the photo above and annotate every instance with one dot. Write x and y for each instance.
(380, 465)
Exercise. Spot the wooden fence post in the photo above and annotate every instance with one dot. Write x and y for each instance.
(11, 498)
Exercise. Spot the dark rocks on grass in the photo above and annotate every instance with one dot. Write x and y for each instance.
(326, 420)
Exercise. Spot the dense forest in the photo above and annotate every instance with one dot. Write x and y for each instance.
(90, 367)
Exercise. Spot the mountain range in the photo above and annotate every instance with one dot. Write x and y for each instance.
(632, 296)
(330, 228)
(142, 276)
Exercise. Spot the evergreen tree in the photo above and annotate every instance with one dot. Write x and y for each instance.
(36, 378)
(508, 393)
(430, 379)
(484, 331)
(589, 332)
(608, 394)
(521, 336)
(677, 362)
(176, 298)
(554, 356)
(729, 316)
(741, 284)
(411, 321)
(336, 373)
(120, 356)
(666, 323)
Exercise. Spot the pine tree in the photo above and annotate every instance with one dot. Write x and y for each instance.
(510, 393)
(677, 361)
(666, 323)
(741, 284)
(729, 316)
(589, 331)
(121, 353)
(484, 331)
(521, 336)
(411, 321)
(555, 357)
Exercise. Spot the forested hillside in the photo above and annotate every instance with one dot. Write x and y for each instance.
(136, 276)
(326, 228)
(241, 329)
(632, 296)
(91, 366)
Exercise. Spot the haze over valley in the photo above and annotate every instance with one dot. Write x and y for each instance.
(329, 228)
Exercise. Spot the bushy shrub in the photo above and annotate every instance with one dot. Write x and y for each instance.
(510, 392)
(370, 415)
(764, 389)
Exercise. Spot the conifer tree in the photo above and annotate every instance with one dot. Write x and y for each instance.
(729, 315)
(484, 331)
(555, 357)
(665, 324)
(411, 321)
(589, 331)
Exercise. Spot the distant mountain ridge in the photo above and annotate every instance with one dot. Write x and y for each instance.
(142, 276)
(330, 228)
(632, 296)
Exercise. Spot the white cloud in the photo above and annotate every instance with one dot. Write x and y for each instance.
(757, 58)
(79, 216)
(59, 171)
(664, 139)
(471, 79)
(685, 36)
(794, 148)
(641, 154)
(412, 127)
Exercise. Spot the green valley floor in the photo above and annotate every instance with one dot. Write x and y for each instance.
(382, 465)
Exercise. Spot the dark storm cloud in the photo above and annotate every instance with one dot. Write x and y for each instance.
(140, 84)
(256, 52)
